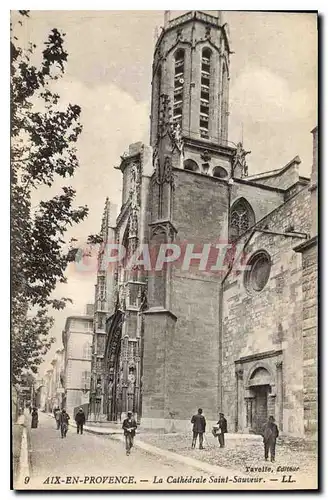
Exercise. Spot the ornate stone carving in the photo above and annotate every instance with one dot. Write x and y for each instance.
(121, 297)
(164, 228)
(179, 34)
(131, 382)
(240, 374)
(240, 159)
(165, 118)
(163, 172)
(98, 390)
(168, 172)
(208, 32)
(205, 156)
(133, 223)
(135, 187)
(176, 136)
(278, 365)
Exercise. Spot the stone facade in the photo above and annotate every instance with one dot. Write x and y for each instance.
(184, 336)
(256, 323)
(309, 252)
(77, 341)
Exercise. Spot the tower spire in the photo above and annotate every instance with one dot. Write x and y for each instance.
(105, 220)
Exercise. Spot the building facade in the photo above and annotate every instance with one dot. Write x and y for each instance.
(173, 339)
(77, 340)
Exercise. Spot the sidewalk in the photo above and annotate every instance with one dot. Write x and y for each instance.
(20, 453)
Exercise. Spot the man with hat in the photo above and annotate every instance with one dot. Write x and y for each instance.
(80, 420)
(270, 434)
(129, 426)
(198, 428)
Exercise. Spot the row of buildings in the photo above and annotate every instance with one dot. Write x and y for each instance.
(164, 343)
(67, 383)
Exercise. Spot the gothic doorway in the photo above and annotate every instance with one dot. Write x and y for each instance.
(260, 407)
(259, 402)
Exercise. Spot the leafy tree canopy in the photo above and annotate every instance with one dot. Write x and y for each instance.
(43, 149)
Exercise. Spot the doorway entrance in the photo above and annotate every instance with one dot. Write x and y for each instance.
(260, 388)
(260, 407)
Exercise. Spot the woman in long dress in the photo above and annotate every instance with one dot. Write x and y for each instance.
(35, 419)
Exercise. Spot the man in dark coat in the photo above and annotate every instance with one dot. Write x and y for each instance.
(198, 428)
(35, 419)
(129, 426)
(222, 429)
(270, 434)
(64, 418)
(57, 416)
(80, 420)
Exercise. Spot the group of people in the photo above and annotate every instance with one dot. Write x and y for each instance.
(62, 419)
(199, 427)
(270, 433)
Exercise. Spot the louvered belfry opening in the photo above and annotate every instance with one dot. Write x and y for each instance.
(205, 94)
(179, 67)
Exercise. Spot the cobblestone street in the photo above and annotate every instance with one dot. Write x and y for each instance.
(91, 455)
(99, 462)
(244, 453)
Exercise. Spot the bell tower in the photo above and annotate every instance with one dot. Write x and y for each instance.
(191, 67)
(188, 205)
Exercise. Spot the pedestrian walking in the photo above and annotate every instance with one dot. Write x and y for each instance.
(35, 419)
(64, 418)
(198, 429)
(57, 417)
(80, 420)
(270, 434)
(222, 429)
(129, 426)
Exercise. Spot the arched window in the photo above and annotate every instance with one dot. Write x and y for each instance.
(179, 61)
(190, 165)
(205, 93)
(242, 217)
(220, 172)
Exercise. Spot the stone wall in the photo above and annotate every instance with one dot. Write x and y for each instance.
(310, 270)
(270, 320)
(263, 201)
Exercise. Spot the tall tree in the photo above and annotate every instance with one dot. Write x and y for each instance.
(43, 148)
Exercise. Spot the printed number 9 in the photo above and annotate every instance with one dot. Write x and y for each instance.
(27, 479)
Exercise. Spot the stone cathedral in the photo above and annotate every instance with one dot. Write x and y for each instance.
(170, 341)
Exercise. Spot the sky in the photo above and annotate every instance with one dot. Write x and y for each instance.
(273, 99)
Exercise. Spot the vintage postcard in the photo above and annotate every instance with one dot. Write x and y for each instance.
(164, 250)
